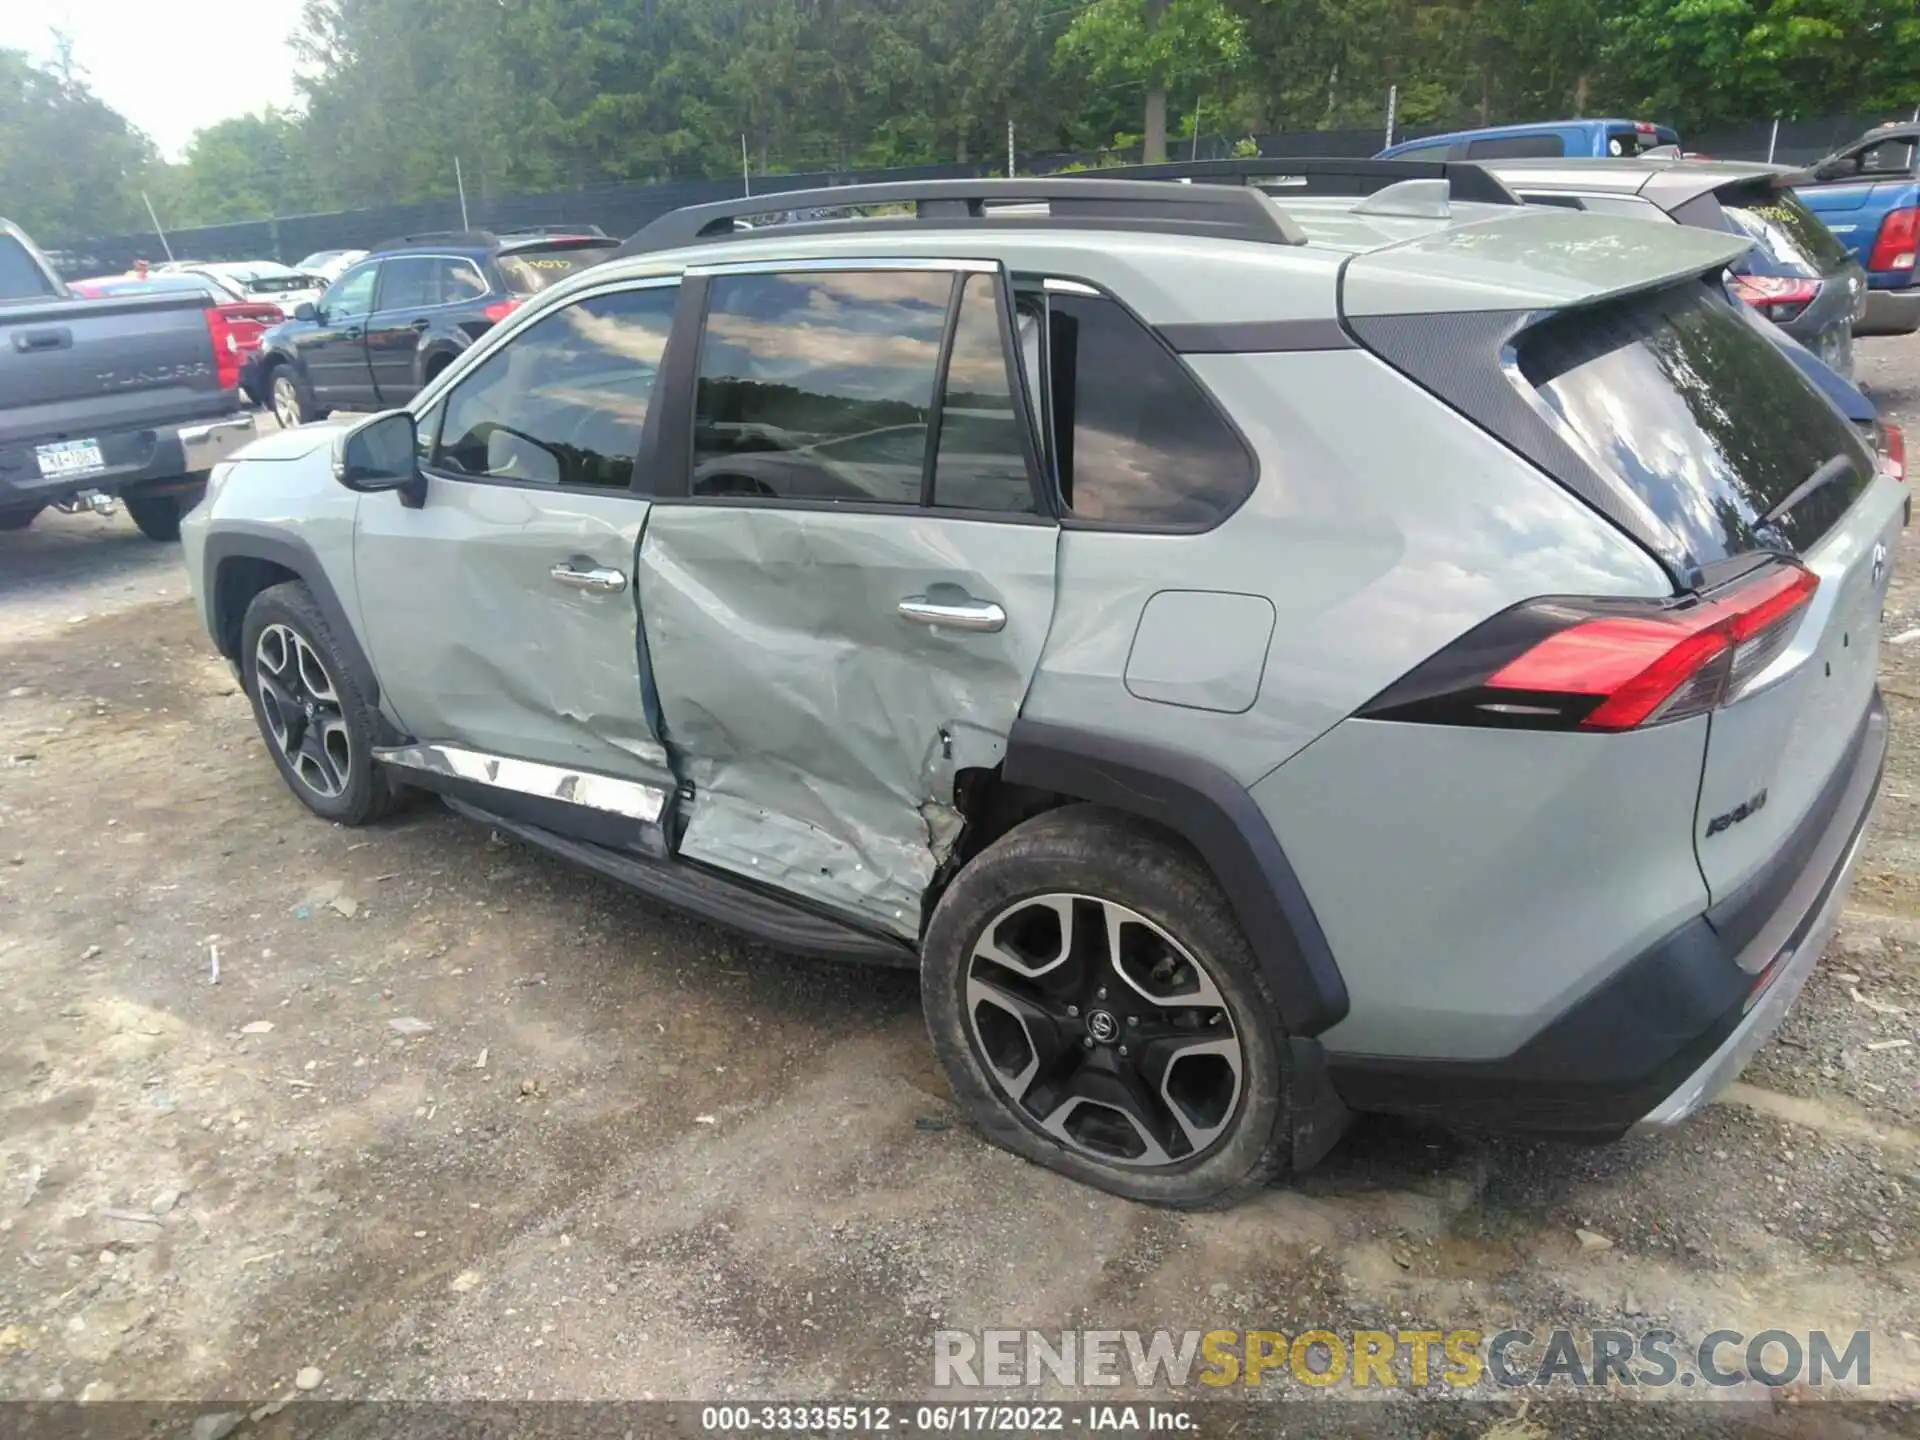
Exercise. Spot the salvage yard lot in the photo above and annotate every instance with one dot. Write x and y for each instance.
(458, 1122)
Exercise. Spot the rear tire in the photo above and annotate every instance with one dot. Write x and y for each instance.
(318, 727)
(19, 519)
(1158, 1073)
(290, 397)
(159, 516)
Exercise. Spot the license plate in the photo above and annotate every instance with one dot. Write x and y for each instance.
(68, 458)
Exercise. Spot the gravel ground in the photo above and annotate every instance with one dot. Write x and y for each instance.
(456, 1122)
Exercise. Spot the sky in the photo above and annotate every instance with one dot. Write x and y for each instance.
(169, 66)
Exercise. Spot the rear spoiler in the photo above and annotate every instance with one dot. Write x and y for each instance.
(1534, 258)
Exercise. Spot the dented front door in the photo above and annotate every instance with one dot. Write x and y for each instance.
(500, 615)
(845, 607)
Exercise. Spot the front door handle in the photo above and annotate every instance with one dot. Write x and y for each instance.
(960, 612)
(419, 324)
(600, 581)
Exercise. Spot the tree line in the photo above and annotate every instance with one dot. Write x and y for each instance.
(530, 95)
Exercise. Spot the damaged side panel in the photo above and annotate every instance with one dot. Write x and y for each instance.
(478, 643)
(820, 727)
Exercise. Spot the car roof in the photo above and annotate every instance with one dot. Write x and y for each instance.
(1666, 181)
(1893, 130)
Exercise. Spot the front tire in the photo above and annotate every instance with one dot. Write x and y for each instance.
(317, 725)
(1098, 1011)
(159, 516)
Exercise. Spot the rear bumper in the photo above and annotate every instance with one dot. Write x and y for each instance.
(1890, 312)
(1668, 1030)
(149, 461)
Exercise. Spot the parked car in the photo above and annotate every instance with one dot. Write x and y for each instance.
(394, 321)
(330, 265)
(1262, 559)
(257, 281)
(1554, 140)
(134, 396)
(1869, 196)
(1797, 274)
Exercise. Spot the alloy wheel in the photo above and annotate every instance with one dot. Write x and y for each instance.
(302, 710)
(286, 402)
(1103, 1031)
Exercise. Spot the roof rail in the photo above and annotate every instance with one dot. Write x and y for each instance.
(1097, 203)
(1323, 175)
(434, 237)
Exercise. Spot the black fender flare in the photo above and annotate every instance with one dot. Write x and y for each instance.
(1214, 813)
(289, 553)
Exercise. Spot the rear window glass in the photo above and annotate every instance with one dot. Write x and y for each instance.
(1515, 147)
(530, 270)
(1788, 238)
(1135, 439)
(1703, 418)
(1625, 140)
(20, 278)
(282, 284)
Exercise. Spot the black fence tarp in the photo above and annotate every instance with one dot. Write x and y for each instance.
(620, 208)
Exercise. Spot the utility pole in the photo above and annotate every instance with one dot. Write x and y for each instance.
(1393, 109)
(460, 182)
(1194, 153)
(156, 226)
(746, 176)
(1773, 139)
(1010, 147)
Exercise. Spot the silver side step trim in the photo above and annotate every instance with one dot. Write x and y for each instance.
(631, 798)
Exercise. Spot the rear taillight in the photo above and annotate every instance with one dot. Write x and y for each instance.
(501, 309)
(226, 352)
(1778, 297)
(1890, 444)
(1899, 239)
(1577, 664)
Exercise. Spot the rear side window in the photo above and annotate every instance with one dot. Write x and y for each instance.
(1788, 238)
(1135, 439)
(20, 278)
(1702, 417)
(1515, 147)
(532, 268)
(409, 283)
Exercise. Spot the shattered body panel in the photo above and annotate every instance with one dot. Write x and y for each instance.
(820, 729)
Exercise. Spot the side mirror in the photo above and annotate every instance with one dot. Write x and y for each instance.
(306, 310)
(379, 454)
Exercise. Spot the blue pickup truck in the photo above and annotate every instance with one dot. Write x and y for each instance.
(1548, 140)
(1868, 193)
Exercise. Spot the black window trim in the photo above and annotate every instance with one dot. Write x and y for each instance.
(1035, 281)
(675, 451)
(442, 396)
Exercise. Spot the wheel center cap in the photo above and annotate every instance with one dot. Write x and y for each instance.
(310, 710)
(1102, 1026)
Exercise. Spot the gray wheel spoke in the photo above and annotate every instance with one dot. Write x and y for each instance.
(1099, 1028)
(301, 707)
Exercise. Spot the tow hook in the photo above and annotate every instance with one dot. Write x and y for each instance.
(97, 501)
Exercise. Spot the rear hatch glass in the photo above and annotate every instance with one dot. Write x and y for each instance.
(1702, 417)
(282, 284)
(1632, 139)
(529, 269)
(1788, 238)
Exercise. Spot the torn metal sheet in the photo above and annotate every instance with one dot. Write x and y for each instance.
(820, 726)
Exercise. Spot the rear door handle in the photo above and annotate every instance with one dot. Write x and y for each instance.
(955, 614)
(601, 581)
(421, 324)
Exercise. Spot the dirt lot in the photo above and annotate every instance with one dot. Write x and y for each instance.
(635, 1157)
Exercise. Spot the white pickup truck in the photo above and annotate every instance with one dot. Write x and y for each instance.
(135, 397)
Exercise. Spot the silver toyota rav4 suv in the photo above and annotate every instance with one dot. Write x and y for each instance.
(1263, 652)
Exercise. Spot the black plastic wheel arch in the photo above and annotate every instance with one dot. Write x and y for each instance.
(1213, 812)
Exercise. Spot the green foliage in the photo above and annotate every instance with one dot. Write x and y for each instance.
(532, 95)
